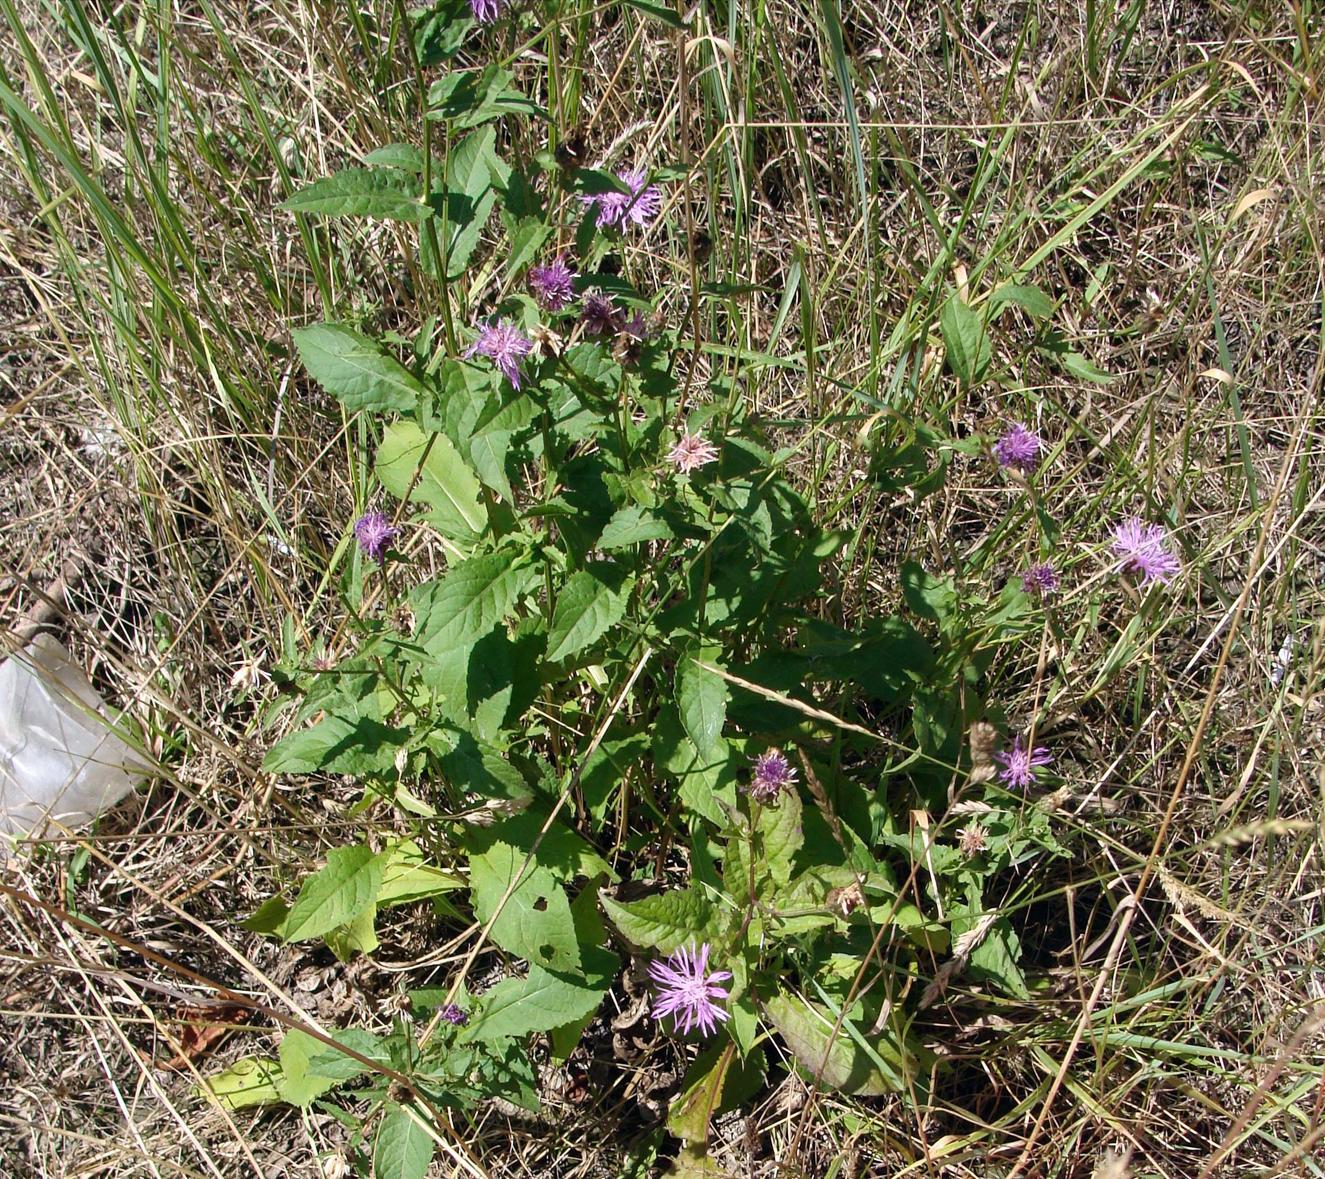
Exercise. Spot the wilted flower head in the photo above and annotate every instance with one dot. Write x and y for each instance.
(451, 1013)
(686, 991)
(972, 840)
(690, 452)
(553, 284)
(773, 775)
(505, 345)
(374, 533)
(1019, 764)
(600, 315)
(640, 205)
(1141, 549)
(1040, 578)
(1019, 448)
(487, 11)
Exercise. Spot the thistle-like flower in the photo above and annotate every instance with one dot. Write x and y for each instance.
(453, 1014)
(486, 12)
(505, 345)
(1019, 448)
(691, 452)
(1019, 764)
(639, 206)
(600, 316)
(553, 284)
(972, 840)
(1040, 578)
(374, 532)
(1141, 548)
(773, 775)
(686, 991)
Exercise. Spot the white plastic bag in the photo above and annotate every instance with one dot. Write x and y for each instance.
(59, 759)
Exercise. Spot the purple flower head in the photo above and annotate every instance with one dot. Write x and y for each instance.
(686, 991)
(1040, 578)
(1019, 764)
(773, 775)
(638, 206)
(453, 1014)
(690, 452)
(505, 345)
(552, 284)
(1019, 447)
(1141, 549)
(374, 533)
(636, 327)
(600, 315)
(487, 11)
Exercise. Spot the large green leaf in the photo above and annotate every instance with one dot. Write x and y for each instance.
(778, 837)
(847, 1060)
(966, 340)
(337, 745)
(402, 1148)
(336, 893)
(632, 525)
(355, 370)
(362, 192)
(535, 922)
(591, 601)
(667, 922)
(538, 1003)
(445, 483)
(469, 601)
(701, 696)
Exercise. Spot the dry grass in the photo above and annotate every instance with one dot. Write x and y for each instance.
(158, 435)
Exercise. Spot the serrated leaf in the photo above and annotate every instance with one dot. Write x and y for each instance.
(338, 745)
(468, 602)
(384, 193)
(966, 340)
(488, 451)
(407, 876)
(666, 922)
(701, 697)
(538, 1003)
(355, 370)
(330, 1063)
(535, 922)
(335, 894)
(445, 483)
(402, 1149)
(590, 603)
(778, 837)
(837, 1060)
(251, 1081)
(632, 525)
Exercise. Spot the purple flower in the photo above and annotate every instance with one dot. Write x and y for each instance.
(1040, 579)
(374, 533)
(1019, 764)
(1141, 549)
(1019, 447)
(552, 284)
(453, 1014)
(640, 205)
(686, 991)
(692, 451)
(487, 11)
(505, 345)
(600, 315)
(773, 775)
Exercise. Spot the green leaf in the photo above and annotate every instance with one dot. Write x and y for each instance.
(590, 603)
(535, 922)
(995, 959)
(688, 1115)
(296, 1084)
(778, 837)
(335, 894)
(469, 601)
(538, 1003)
(338, 745)
(407, 876)
(354, 370)
(330, 1063)
(1030, 299)
(837, 1060)
(439, 31)
(470, 97)
(632, 525)
(701, 696)
(251, 1081)
(444, 483)
(931, 597)
(966, 340)
(488, 451)
(666, 922)
(658, 12)
(356, 936)
(403, 1149)
(384, 193)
